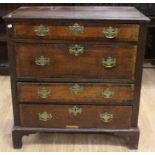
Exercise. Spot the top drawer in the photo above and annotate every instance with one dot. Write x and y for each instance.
(77, 31)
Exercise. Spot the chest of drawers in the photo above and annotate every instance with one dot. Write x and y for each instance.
(76, 69)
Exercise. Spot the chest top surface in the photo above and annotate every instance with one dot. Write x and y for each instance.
(102, 13)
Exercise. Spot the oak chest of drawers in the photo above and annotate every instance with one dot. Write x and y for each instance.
(76, 69)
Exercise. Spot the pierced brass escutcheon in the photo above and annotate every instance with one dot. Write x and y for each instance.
(44, 116)
(42, 61)
(41, 30)
(76, 50)
(110, 32)
(44, 92)
(107, 93)
(76, 89)
(109, 62)
(76, 29)
(75, 110)
(106, 117)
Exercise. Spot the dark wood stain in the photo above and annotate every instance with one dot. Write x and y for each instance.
(61, 93)
(65, 65)
(64, 69)
(61, 114)
(92, 31)
(77, 12)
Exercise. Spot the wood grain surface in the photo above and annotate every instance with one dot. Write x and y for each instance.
(91, 31)
(87, 65)
(83, 13)
(71, 93)
(89, 117)
(80, 142)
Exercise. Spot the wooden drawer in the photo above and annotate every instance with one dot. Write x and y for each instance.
(75, 93)
(76, 60)
(77, 31)
(57, 116)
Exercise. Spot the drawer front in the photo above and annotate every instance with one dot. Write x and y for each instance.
(71, 60)
(75, 92)
(75, 31)
(57, 116)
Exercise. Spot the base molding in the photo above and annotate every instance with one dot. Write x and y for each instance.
(131, 135)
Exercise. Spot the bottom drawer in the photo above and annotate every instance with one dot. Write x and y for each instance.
(67, 116)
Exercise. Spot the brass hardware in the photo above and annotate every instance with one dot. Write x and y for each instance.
(75, 110)
(107, 93)
(110, 32)
(44, 92)
(106, 117)
(108, 62)
(41, 30)
(44, 116)
(76, 89)
(76, 50)
(76, 28)
(41, 61)
(72, 126)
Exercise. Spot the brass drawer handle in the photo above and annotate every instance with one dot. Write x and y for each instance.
(76, 89)
(76, 29)
(110, 32)
(44, 116)
(109, 62)
(75, 110)
(107, 93)
(41, 31)
(44, 92)
(76, 50)
(42, 61)
(106, 117)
